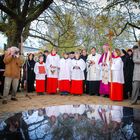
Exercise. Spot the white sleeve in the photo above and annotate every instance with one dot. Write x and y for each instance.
(58, 60)
(87, 62)
(118, 65)
(72, 65)
(82, 65)
(47, 62)
(97, 62)
(36, 68)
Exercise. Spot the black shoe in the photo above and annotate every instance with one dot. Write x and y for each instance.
(41, 93)
(105, 96)
(14, 99)
(135, 103)
(4, 102)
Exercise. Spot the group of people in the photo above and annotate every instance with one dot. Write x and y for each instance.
(110, 74)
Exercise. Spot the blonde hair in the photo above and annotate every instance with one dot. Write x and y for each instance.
(117, 51)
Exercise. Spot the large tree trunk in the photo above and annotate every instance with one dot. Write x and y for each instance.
(14, 33)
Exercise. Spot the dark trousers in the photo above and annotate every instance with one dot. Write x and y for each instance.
(93, 87)
(1, 83)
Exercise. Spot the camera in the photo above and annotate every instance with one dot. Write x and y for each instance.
(16, 52)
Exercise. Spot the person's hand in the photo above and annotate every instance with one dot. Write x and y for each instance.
(53, 67)
(12, 52)
(111, 62)
(76, 67)
(92, 62)
(104, 64)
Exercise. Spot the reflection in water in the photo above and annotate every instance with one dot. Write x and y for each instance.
(71, 122)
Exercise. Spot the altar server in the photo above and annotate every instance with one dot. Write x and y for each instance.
(40, 72)
(52, 71)
(116, 90)
(64, 74)
(93, 72)
(77, 74)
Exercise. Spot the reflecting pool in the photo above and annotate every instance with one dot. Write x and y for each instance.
(73, 122)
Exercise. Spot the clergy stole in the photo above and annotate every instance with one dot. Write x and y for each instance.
(105, 70)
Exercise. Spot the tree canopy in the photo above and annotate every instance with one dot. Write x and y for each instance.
(70, 23)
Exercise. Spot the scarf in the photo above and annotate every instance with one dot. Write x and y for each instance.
(105, 69)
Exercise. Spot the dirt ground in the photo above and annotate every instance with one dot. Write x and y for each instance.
(24, 103)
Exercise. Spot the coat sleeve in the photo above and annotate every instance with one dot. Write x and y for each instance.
(136, 59)
(7, 59)
(20, 61)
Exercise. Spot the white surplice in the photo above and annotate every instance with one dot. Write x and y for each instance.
(36, 70)
(52, 60)
(78, 74)
(93, 71)
(65, 69)
(117, 70)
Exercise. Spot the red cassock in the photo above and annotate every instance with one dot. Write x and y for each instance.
(116, 91)
(52, 85)
(64, 85)
(77, 87)
(40, 85)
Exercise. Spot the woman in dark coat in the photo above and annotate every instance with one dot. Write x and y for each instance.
(28, 73)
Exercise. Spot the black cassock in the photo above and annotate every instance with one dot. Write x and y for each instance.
(29, 75)
(85, 74)
(128, 75)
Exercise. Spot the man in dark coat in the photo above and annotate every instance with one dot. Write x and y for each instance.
(45, 54)
(2, 69)
(128, 74)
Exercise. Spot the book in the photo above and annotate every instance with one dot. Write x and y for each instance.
(41, 69)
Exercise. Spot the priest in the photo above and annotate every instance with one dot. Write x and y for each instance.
(104, 63)
(93, 72)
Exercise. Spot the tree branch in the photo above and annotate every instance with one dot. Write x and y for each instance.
(43, 38)
(38, 10)
(25, 8)
(133, 25)
(9, 12)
